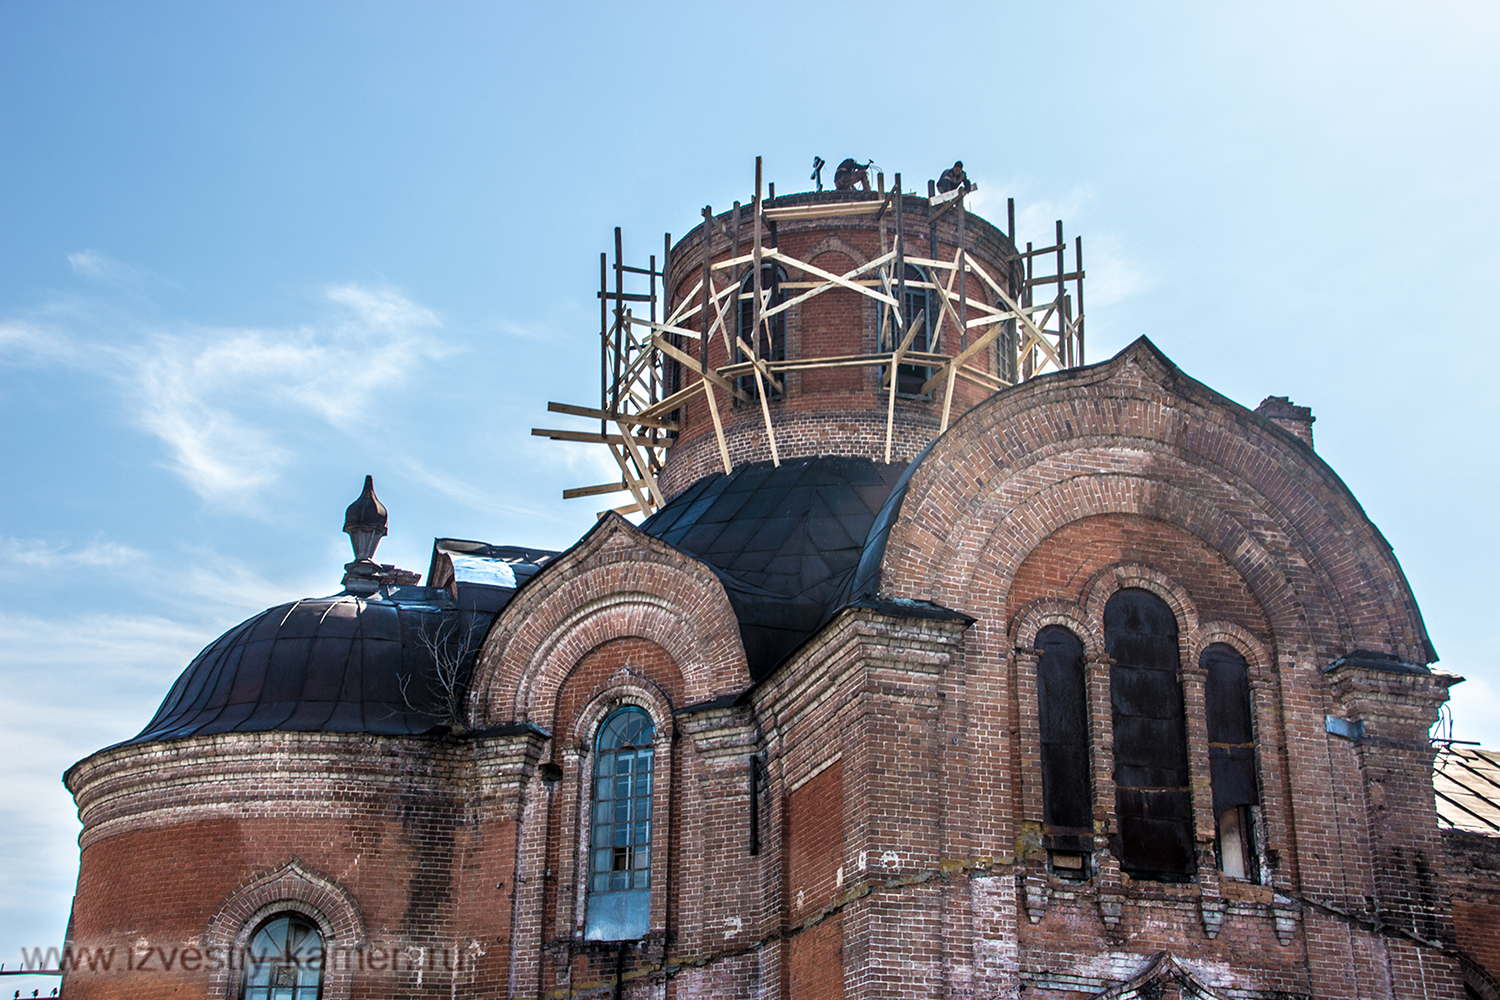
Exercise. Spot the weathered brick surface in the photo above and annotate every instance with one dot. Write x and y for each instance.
(839, 411)
(866, 822)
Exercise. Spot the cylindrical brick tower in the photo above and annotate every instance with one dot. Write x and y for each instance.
(840, 408)
(850, 323)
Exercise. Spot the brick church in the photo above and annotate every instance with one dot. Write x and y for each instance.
(942, 665)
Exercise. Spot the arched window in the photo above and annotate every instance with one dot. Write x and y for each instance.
(619, 890)
(774, 348)
(918, 300)
(1231, 758)
(1067, 793)
(1153, 802)
(285, 961)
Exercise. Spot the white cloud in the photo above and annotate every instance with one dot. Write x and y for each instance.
(214, 396)
(220, 399)
(97, 266)
(34, 554)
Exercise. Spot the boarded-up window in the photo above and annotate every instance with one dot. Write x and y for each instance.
(1062, 706)
(1152, 799)
(814, 847)
(1231, 756)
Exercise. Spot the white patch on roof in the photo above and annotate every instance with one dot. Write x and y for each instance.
(477, 569)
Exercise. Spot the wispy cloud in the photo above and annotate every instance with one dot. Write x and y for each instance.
(97, 266)
(225, 401)
(34, 554)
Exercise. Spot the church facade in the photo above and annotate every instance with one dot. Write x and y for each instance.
(1108, 688)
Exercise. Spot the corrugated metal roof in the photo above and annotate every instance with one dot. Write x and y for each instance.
(1467, 783)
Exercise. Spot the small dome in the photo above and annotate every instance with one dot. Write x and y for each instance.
(341, 664)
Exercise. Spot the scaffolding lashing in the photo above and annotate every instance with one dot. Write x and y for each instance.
(653, 365)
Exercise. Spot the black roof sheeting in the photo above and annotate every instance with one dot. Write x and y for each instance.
(337, 664)
(785, 541)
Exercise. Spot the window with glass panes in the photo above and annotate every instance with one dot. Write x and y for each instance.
(285, 960)
(620, 838)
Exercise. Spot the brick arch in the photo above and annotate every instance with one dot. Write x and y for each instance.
(997, 540)
(292, 888)
(833, 243)
(1043, 611)
(616, 583)
(1114, 578)
(1138, 418)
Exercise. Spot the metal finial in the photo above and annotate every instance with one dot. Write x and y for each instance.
(364, 522)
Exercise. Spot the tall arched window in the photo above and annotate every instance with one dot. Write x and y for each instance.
(619, 890)
(1231, 758)
(1153, 802)
(769, 344)
(285, 961)
(1067, 793)
(918, 301)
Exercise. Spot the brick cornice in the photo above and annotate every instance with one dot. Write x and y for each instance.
(281, 774)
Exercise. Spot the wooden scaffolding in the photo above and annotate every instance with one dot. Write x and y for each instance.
(643, 348)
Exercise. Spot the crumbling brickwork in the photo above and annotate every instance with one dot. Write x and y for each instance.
(866, 819)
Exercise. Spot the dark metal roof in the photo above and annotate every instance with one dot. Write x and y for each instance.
(1466, 781)
(350, 664)
(784, 541)
(339, 664)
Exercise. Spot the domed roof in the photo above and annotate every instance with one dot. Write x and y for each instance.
(384, 656)
(341, 664)
(785, 541)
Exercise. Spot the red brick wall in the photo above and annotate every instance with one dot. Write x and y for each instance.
(1063, 564)
(814, 848)
(1472, 876)
(831, 411)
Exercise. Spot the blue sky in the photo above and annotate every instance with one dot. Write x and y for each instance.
(251, 252)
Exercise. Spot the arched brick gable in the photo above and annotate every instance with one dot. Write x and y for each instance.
(617, 582)
(292, 888)
(1135, 435)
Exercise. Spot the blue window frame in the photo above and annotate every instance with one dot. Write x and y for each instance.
(619, 889)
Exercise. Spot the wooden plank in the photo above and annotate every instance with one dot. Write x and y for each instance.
(713, 411)
(642, 501)
(963, 357)
(643, 468)
(684, 309)
(982, 379)
(711, 375)
(679, 398)
(664, 328)
(590, 491)
(953, 195)
(1034, 334)
(836, 279)
(593, 437)
(823, 211)
(1053, 279)
(890, 412)
(947, 398)
(759, 364)
(629, 418)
